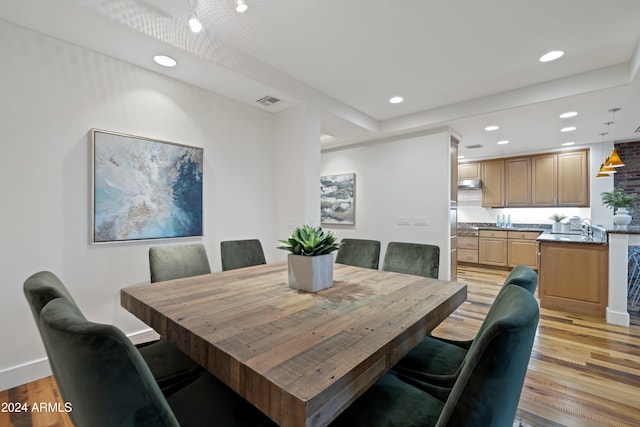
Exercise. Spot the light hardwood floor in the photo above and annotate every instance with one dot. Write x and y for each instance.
(583, 372)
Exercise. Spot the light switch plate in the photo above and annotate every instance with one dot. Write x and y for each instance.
(403, 220)
(422, 221)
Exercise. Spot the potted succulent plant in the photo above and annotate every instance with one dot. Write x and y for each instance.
(310, 260)
(620, 201)
(556, 227)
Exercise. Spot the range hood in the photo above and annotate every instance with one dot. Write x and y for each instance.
(470, 184)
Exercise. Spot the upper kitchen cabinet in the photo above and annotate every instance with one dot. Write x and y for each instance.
(544, 180)
(554, 179)
(517, 182)
(493, 183)
(469, 171)
(573, 178)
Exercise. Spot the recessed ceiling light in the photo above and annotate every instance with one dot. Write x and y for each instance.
(566, 144)
(461, 157)
(165, 61)
(568, 129)
(504, 141)
(396, 100)
(491, 128)
(195, 25)
(568, 114)
(551, 56)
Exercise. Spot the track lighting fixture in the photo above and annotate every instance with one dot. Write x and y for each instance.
(195, 24)
(241, 6)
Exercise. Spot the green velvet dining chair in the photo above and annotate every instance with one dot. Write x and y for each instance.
(241, 253)
(107, 382)
(437, 360)
(170, 367)
(178, 261)
(485, 394)
(412, 258)
(359, 252)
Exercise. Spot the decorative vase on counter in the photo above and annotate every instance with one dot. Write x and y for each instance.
(622, 218)
(556, 227)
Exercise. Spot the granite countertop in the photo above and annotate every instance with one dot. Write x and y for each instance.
(599, 235)
(613, 229)
(528, 227)
(514, 227)
(597, 239)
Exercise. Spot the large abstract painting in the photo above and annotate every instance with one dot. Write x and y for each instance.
(144, 188)
(337, 199)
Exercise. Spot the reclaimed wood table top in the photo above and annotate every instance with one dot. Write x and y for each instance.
(301, 358)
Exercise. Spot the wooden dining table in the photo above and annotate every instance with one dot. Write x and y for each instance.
(299, 357)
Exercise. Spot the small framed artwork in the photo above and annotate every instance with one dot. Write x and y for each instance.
(144, 188)
(337, 199)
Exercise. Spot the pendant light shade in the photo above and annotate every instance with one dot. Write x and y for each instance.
(614, 160)
(605, 171)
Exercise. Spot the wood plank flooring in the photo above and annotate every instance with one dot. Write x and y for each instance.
(583, 372)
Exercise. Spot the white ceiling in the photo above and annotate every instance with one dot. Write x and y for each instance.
(464, 64)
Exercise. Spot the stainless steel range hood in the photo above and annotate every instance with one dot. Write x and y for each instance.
(470, 184)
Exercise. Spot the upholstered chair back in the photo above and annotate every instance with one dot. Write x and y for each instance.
(241, 253)
(488, 388)
(412, 258)
(359, 252)
(178, 261)
(100, 373)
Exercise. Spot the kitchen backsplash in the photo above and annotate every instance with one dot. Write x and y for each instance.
(470, 210)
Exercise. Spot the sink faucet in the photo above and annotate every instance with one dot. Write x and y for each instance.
(587, 229)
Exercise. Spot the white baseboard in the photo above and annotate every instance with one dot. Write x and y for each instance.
(143, 336)
(31, 371)
(618, 318)
(25, 373)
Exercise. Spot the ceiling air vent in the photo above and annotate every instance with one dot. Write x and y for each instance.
(471, 147)
(637, 130)
(268, 100)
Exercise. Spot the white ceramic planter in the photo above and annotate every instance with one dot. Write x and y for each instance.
(310, 273)
(556, 227)
(622, 218)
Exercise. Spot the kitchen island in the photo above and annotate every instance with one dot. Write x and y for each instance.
(573, 273)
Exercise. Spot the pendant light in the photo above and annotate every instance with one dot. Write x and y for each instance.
(614, 160)
(605, 171)
(194, 23)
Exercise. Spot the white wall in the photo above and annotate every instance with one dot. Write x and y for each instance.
(51, 94)
(296, 160)
(399, 178)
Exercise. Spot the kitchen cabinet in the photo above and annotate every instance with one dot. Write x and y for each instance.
(493, 183)
(508, 248)
(554, 179)
(522, 248)
(492, 247)
(573, 277)
(517, 176)
(469, 171)
(468, 249)
(544, 180)
(573, 178)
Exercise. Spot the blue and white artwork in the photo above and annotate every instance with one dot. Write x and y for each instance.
(144, 188)
(337, 202)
